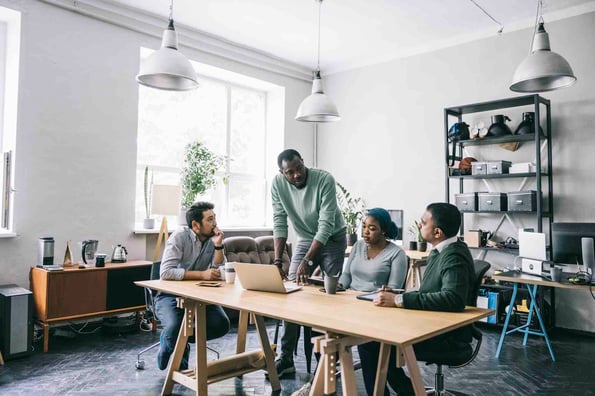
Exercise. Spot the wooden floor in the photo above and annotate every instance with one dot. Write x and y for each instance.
(101, 364)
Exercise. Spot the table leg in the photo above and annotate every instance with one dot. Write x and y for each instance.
(508, 314)
(348, 383)
(534, 307)
(242, 330)
(268, 352)
(200, 335)
(413, 368)
(383, 362)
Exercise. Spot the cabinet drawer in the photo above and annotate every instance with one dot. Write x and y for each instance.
(522, 201)
(492, 202)
(466, 202)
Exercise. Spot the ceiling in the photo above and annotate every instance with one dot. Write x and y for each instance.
(355, 33)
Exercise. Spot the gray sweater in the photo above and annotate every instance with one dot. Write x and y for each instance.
(389, 268)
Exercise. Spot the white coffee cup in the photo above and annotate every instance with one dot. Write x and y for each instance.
(230, 273)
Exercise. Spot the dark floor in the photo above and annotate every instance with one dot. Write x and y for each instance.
(100, 364)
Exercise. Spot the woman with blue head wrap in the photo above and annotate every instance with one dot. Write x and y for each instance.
(374, 262)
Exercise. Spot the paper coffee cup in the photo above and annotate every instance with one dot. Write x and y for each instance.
(230, 273)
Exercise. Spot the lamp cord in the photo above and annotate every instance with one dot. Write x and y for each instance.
(171, 10)
(489, 16)
(538, 18)
(319, 11)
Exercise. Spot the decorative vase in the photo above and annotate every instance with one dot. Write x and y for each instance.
(412, 245)
(422, 246)
(350, 239)
(149, 224)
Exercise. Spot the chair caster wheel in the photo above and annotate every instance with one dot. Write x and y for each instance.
(140, 365)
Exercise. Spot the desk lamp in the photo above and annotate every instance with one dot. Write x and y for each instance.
(166, 202)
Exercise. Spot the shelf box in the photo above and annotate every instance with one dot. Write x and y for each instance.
(522, 201)
(466, 202)
(492, 202)
(498, 167)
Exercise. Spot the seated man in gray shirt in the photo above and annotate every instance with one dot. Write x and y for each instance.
(193, 253)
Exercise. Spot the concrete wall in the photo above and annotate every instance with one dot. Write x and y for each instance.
(76, 135)
(388, 147)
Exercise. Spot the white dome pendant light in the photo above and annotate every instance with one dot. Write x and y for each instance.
(317, 107)
(167, 68)
(543, 70)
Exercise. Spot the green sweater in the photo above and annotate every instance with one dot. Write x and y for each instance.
(447, 285)
(312, 210)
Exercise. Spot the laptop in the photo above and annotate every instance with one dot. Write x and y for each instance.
(263, 277)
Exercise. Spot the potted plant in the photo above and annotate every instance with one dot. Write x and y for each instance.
(148, 222)
(198, 174)
(418, 243)
(352, 210)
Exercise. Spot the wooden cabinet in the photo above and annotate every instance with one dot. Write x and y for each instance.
(75, 293)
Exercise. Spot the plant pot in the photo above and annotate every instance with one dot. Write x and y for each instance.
(422, 246)
(350, 239)
(149, 224)
(412, 245)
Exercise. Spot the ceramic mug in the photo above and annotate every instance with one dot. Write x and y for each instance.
(100, 259)
(330, 284)
(556, 273)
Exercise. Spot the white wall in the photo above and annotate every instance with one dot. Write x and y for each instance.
(388, 147)
(77, 126)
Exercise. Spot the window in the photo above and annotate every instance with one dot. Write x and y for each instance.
(229, 113)
(10, 27)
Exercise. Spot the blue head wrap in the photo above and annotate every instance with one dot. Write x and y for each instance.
(386, 224)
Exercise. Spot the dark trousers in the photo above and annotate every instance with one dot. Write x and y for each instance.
(171, 318)
(396, 377)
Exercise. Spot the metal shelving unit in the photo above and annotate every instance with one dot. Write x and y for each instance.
(542, 177)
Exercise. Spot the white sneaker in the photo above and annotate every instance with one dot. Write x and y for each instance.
(303, 391)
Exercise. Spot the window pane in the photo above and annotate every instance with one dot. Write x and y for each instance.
(246, 202)
(247, 131)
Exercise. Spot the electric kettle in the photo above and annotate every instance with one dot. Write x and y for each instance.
(89, 248)
(119, 254)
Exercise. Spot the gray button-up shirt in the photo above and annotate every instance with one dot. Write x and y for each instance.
(184, 252)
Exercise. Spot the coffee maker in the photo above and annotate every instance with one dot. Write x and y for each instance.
(89, 248)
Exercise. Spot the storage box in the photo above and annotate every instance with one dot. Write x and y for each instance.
(473, 238)
(466, 202)
(491, 202)
(522, 201)
(522, 167)
(479, 168)
(498, 167)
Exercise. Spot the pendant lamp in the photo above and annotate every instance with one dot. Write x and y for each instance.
(167, 68)
(543, 70)
(317, 107)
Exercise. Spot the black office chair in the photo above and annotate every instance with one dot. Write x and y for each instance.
(465, 355)
(150, 317)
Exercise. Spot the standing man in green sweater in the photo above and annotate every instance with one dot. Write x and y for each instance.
(308, 198)
(447, 285)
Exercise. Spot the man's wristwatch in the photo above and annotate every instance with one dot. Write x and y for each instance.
(399, 300)
(308, 261)
(218, 247)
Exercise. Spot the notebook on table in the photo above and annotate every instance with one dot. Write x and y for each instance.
(263, 277)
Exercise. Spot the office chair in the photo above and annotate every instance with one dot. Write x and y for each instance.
(464, 356)
(150, 315)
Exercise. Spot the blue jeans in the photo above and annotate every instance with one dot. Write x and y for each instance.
(330, 259)
(171, 320)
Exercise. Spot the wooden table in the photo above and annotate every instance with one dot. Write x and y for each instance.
(531, 282)
(346, 321)
(74, 293)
